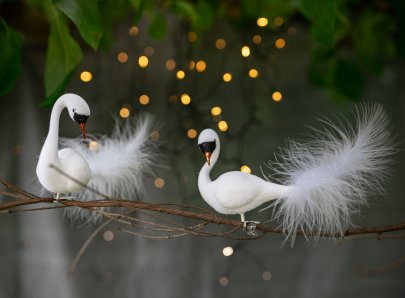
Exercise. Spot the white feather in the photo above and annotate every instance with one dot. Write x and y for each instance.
(332, 175)
(118, 164)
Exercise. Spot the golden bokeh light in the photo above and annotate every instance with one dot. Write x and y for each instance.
(86, 76)
(215, 111)
(227, 77)
(125, 112)
(155, 135)
(227, 251)
(277, 96)
(191, 65)
(278, 21)
(257, 39)
(220, 44)
(159, 182)
(170, 64)
(222, 125)
(245, 169)
(133, 31)
(245, 51)
(280, 43)
(180, 74)
(185, 99)
(143, 99)
(143, 61)
(192, 36)
(262, 22)
(122, 57)
(108, 235)
(253, 73)
(201, 66)
(191, 133)
(93, 145)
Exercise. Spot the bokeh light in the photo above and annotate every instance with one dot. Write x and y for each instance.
(185, 99)
(227, 251)
(143, 61)
(170, 64)
(125, 112)
(220, 44)
(144, 99)
(223, 125)
(227, 77)
(201, 66)
(122, 57)
(245, 51)
(262, 22)
(280, 43)
(277, 96)
(191, 133)
(86, 76)
(215, 111)
(253, 73)
(159, 182)
(180, 74)
(257, 39)
(245, 169)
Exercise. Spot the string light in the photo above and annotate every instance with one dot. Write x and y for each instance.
(227, 77)
(266, 275)
(253, 73)
(215, 111)
(159, 182)
(201, 66)
(220, 44)
(180, 74)
(222, 125)
(155, 135)
(223, 281)
(262, 22)
(122, 57)
(280, 43)
(143, 61)
(245, 51)
(144, 99)
(277, 96)
(86, 76)
(170, 64)
(108, 236)
(227, 251)
(185, 99)
(192, 36)
(124, 112)
(149, 51)
(245, 169)
(93, 145)
(278, 21)
(191, 133)
(133, 31)
(257, 39)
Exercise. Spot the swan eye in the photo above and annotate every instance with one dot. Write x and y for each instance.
(74, 110)
(207, 146)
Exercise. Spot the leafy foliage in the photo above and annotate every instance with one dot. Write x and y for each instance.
(350, 39)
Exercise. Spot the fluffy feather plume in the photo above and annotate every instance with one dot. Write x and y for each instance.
(118, 163)
(333, 173)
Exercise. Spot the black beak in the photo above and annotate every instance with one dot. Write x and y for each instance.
(207, 148)
(81, 119)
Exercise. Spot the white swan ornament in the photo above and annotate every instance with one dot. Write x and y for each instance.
(66, 160)
(114, 167)
(322, 182)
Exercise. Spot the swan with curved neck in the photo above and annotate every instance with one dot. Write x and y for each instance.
(113, 168)
(66, 160)
(233, 192)
(322, 182)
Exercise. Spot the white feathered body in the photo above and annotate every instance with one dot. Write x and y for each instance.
(118, 163)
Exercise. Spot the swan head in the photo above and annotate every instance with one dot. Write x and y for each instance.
(78, 109)
(207, 141)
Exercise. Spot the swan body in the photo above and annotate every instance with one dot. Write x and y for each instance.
(66, 160)
(322, 182)
(115, 168)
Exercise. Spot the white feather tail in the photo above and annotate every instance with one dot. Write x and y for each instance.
(118, 163)
(332, 174)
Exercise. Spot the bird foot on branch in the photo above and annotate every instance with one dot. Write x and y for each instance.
(250, 227)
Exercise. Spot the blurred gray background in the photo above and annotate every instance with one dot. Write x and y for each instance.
(36, 248)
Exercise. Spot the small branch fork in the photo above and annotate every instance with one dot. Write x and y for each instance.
(159, 213)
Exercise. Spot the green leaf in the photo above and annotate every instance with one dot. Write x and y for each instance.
(139, 9)
(204, 17)
(10, 66)
(322, 15)
(86, 16)
(62, 57)
(184, 8)
(158, 27)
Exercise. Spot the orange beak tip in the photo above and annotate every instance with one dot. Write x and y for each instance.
(82, 126)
